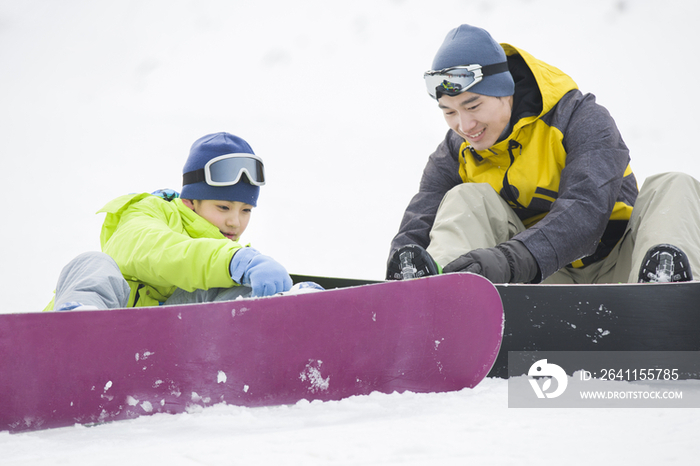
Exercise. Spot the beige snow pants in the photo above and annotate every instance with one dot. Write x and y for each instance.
(667, 210)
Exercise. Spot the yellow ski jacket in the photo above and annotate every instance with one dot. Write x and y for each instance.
(162, 245)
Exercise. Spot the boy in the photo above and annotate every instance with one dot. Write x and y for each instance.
(161, 249)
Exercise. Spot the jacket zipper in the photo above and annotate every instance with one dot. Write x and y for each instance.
(507, 187)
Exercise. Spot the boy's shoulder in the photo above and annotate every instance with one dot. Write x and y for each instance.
(120, 203)
(143, 206)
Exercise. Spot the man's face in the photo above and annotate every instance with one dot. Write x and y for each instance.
(479, 119)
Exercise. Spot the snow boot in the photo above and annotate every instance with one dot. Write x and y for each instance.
(665, 263)
(411, 261)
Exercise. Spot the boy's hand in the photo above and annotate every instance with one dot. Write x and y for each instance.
(262, 273)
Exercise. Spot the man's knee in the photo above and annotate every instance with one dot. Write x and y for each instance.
(670, 179)
(473, 190)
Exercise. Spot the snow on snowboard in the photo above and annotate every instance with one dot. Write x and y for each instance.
(434, 334)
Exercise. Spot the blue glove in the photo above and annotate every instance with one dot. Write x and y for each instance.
(262, 273)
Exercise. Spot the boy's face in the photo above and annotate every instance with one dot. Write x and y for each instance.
(230, 217)
(479, 119)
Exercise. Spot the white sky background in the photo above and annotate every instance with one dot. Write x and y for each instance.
(99, 99)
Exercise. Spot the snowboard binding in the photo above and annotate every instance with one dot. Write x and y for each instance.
(411, 261)
(665, 263)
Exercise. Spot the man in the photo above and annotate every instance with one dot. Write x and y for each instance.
(532, 182)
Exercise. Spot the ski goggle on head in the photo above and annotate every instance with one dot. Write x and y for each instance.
(453, 81)
(227, 170)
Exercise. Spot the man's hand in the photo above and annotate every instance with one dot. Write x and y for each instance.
(509, 262)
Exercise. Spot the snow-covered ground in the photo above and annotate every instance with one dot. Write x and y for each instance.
(459, 428)
(102, 98)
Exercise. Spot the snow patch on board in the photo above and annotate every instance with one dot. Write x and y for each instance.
(312, 375)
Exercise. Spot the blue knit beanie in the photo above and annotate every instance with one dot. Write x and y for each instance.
(469, 45)
(203, 150)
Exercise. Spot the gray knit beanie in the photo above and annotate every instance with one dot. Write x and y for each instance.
(469, 45)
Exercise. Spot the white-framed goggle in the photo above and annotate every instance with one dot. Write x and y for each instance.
(227, 170)
(457, 79)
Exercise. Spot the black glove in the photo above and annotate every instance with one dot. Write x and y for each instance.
(509, 262)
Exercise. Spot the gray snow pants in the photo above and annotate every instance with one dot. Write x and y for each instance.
(667, 210)
(94, 279)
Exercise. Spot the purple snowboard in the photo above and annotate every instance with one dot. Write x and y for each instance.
(432, 334)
